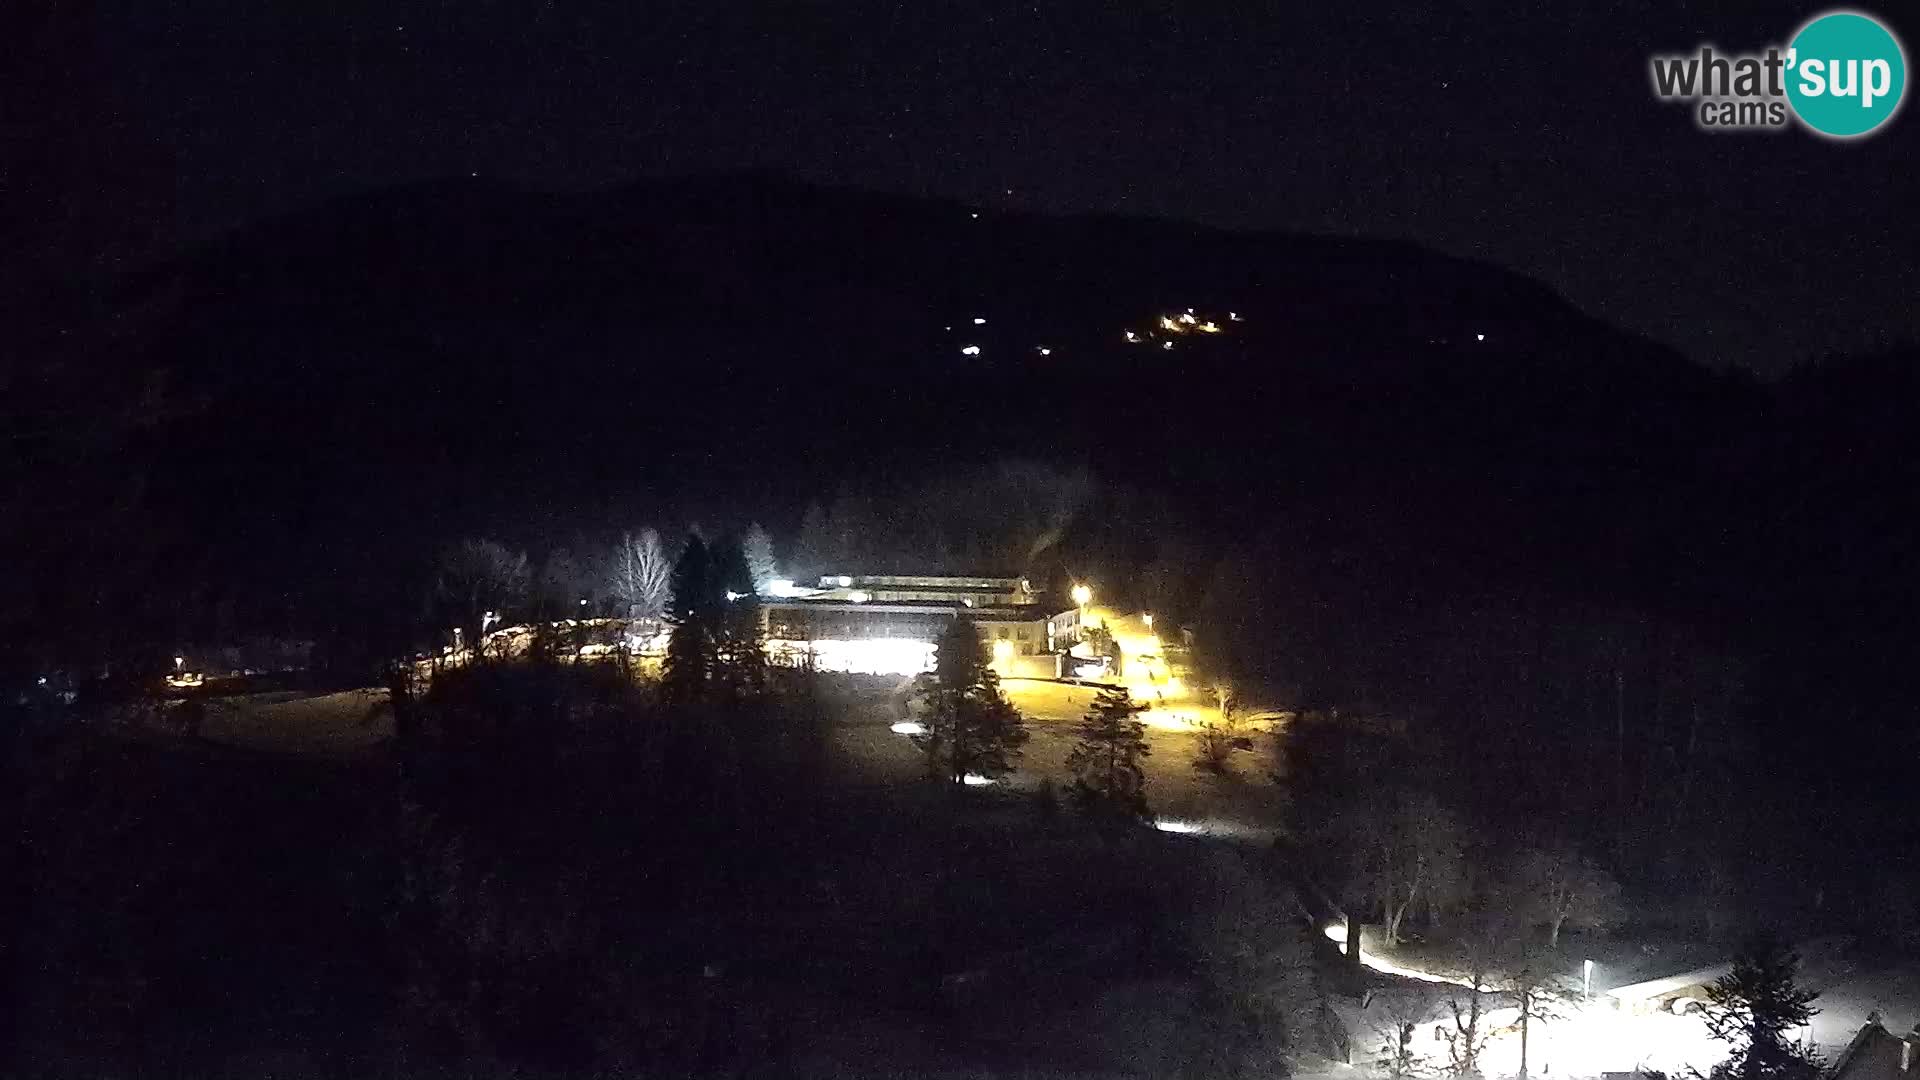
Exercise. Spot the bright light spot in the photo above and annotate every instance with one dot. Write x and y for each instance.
(976, 213)
(1174, 825)
(731, 596)
(1209, 327)
(1166, 344)
(1167, 322)
(867, 656)
(1003, 650)
(909, 727)
(844, 580)
(976, 780)
(1188, 318)
(979, 320)
(1044, 351)
(1082, 595)
(1233, 316)
(1131, 336)
(1147, 618)
(781, 587)
(970, 350)
(1479, 337)
(858, 597)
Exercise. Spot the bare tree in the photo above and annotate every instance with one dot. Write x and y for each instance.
(1470, 1027)
(758, 548)
(641, 576)
(1560, 886)
(477, 576)
(1397, 1020)
(1421, 857)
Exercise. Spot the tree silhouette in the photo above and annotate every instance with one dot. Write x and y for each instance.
(971, 729)
(692, 608)
(1754, 1008)
(739, 645)
(1107, 778)
(641, 575)
(758, 549)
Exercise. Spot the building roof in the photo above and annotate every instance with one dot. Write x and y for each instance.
(982, 613)
(1878, 1054)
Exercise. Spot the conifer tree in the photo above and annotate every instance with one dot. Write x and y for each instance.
(692, 609)
(1755, 1008)
(739, 640)
(970, 728)
(1105, 762)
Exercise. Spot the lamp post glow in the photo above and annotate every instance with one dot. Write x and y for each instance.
(177, 662)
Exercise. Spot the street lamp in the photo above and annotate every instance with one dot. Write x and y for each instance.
(1082, 595)
(177, 662)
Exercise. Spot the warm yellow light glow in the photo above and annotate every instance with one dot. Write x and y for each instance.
(1168, 322)
(1147, 618)
(1002, 651)
(1082, 595)
(1209, 327)
(1188, 318)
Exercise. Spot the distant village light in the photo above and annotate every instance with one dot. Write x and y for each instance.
(979, 320)
(1479, 337)
(1044, 351)
(971, 350)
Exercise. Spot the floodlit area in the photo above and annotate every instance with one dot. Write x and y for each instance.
(1590, 1037)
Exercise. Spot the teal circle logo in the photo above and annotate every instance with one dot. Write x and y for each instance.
(1846, 74)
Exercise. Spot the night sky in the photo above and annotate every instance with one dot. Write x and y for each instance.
(1522, 134)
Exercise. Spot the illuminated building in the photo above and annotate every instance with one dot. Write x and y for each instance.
(887, 624)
